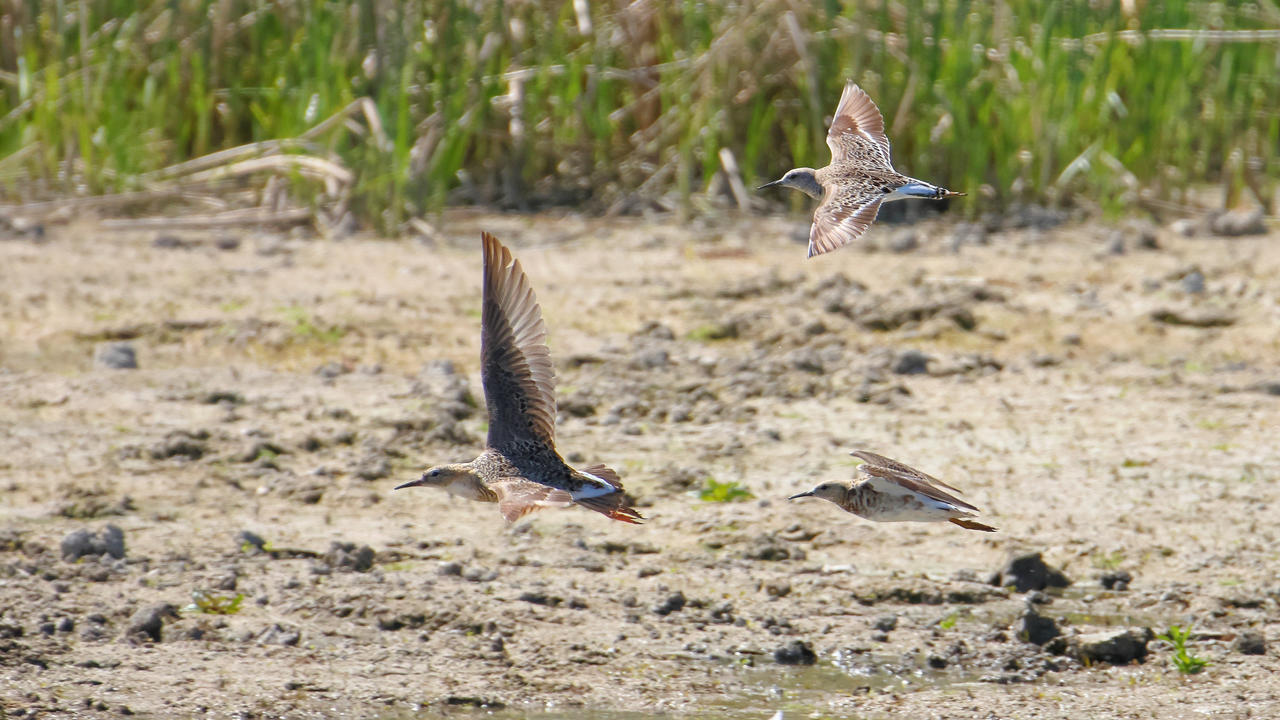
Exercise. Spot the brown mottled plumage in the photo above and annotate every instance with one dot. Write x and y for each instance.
(859, 179)
(895, 492)
(520, 468)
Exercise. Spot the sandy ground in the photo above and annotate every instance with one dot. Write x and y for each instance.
(287, 384)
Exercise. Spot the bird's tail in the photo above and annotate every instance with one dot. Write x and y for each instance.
(614, 506)
(972, 524)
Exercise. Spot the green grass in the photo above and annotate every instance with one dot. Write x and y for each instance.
(722, 492)
(1184, 661)
(1073, 103)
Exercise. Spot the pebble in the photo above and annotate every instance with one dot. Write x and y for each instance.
(115, 356)
(1028, 571)
(250, 542)
(796, 652)
(81, 543)
(1118, 647)
(346, 556)
(278, 634)
(1251, 642)
(149, 621)
(1236, 223)
(1116, 580)
(674, 603)
(886, 623)
(1193, 283)
(1036, 628)
(911, 362)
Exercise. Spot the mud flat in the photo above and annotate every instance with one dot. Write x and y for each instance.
(1109, 405)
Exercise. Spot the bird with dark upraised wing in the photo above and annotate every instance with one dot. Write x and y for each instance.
(520, 468)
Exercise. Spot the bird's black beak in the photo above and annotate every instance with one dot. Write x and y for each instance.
(412, 483)
(769, 185)
(807, 493)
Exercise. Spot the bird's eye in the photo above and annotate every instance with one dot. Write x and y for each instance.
(434, 473)
(886, 190)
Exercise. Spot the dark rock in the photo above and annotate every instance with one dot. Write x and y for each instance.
(346, 556)
(1252, 642)
(1115, 243)
(1237, 223)
(1116, 579)
(81, 543)
(796, 652)
(1116, 647)
(1193, 282)
(250, 542)
(886, 623)
(937, 662)
(171, 242)
(279, 635)
(149, 621)
(1028, 571)
(450, 569)
(332, 369)
(766, 548)
(227, 243)
(1202, 317)
(674, 603)
(911, 362)
(541, 598)
(1036, 628)
(180, 443)
(115, 356)
(9, 631)
(479, 574)
(881, 637)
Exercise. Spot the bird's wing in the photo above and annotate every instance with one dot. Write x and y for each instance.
(857, 131)
(518, 497)
(515, 364)
(905, 477)
(841, 218)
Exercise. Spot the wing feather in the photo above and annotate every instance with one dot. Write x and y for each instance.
(905, 476)
(842, 217)
(515, 363)
(857, 130)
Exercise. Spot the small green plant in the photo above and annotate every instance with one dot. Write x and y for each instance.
(305, 327)
(1108, 561)
(949, 621)
(1185, 662)
(211, 604)
(723, 492)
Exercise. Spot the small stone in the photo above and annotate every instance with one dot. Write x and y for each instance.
(880, 637)
(886, 623)
(170, 242)
(1185, 227)
(937, 662)
(332, 369)
(1238, 222)
(149, 621)
(1116, 580)
(449, 569)
(113, 541)
(250, 542)
(1251, 642)
(1036, 628)
(278, 634)
(1115, 243)
(115, 356)
(81, 543)
(796, 652)
(1193, 283)
(674, 603)
(227, 243)
(911, 362)
(1115, 647)
(347, 556)
(1028, 571)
